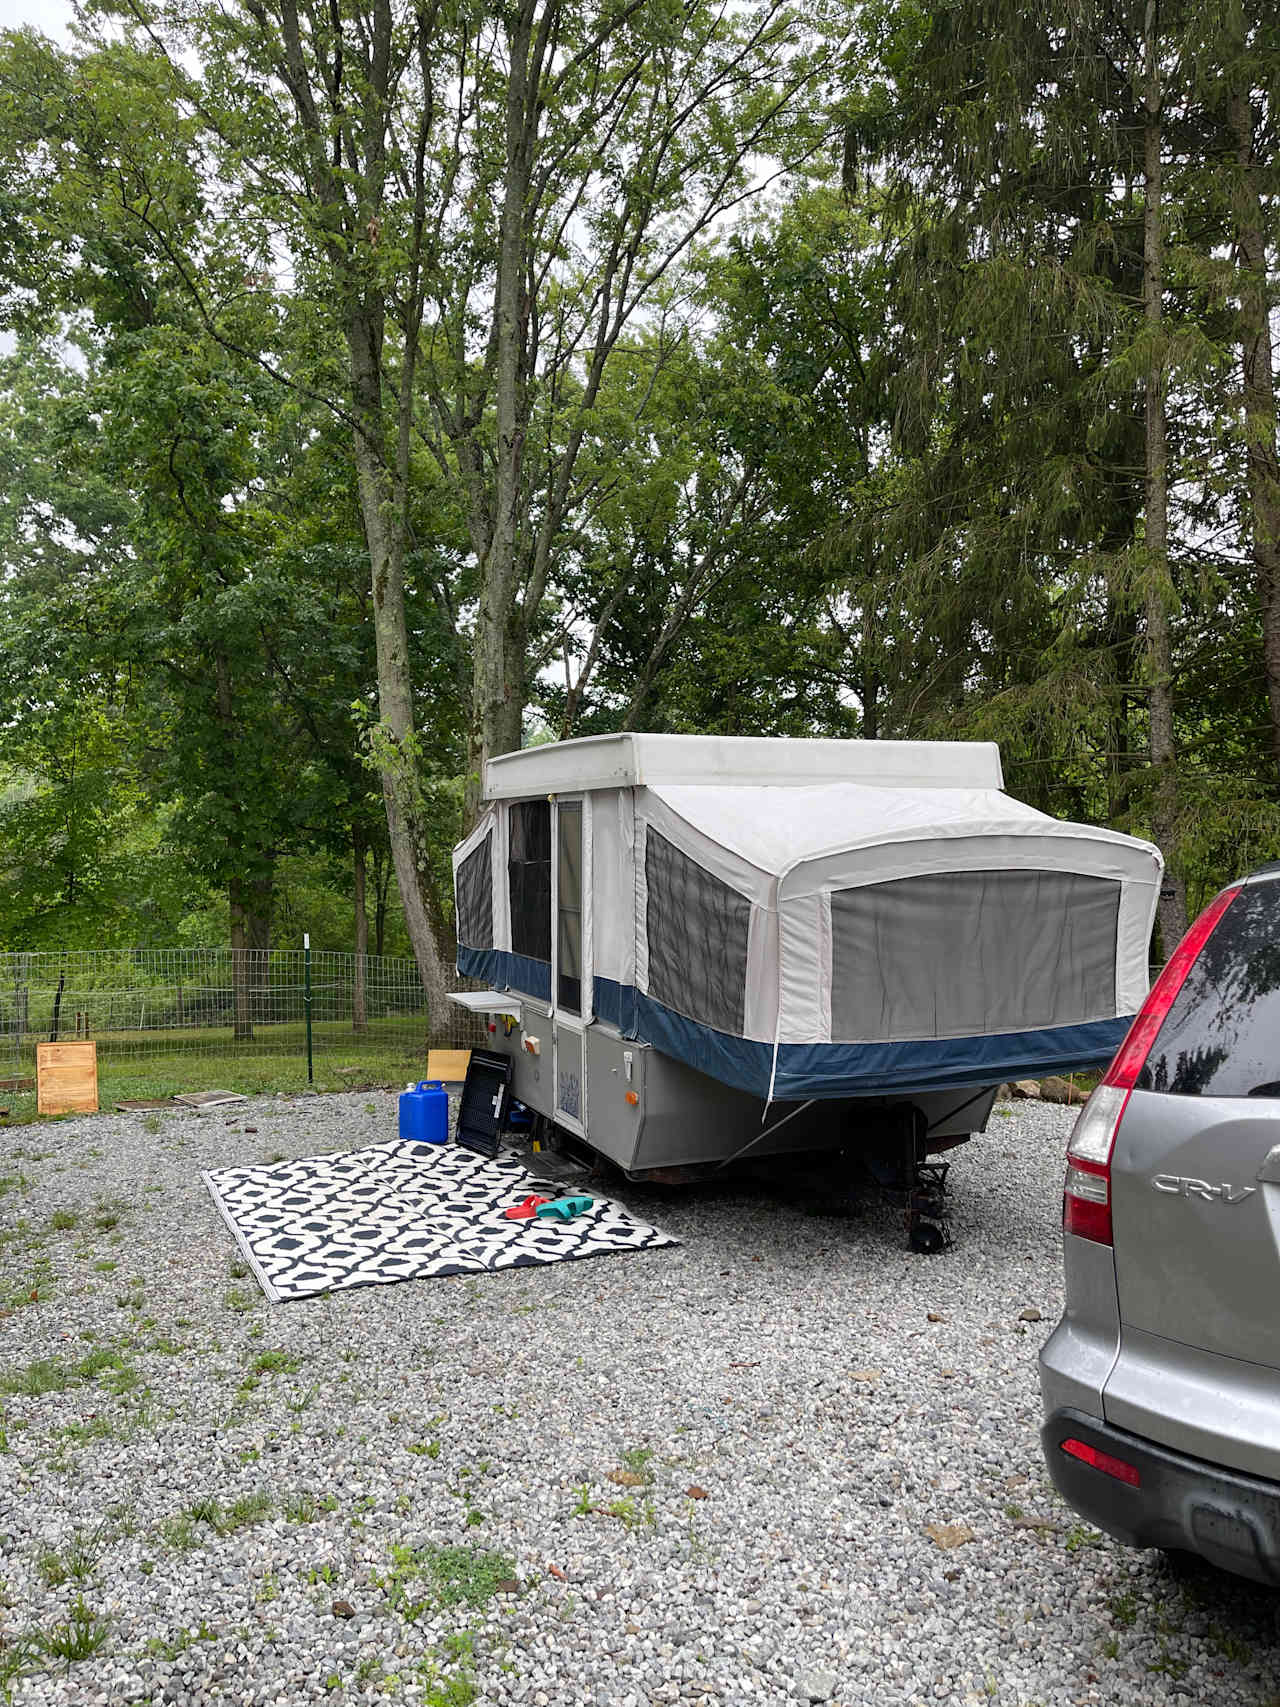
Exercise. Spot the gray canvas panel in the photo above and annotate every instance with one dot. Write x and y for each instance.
(697, 931)
(967, 953)
(475, 897)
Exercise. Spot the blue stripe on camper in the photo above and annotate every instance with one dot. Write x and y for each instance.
(822, 1070)
(606, 1001)
(949, 1063)
(506, 971)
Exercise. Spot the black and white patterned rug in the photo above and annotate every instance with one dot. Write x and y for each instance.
(402, 1212)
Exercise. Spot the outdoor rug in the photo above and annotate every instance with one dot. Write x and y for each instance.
(402, 1212)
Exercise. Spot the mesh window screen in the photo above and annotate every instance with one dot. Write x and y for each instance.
(966, 953)
(569, 902)
(697, 933)
(475, 897)
(529, 877)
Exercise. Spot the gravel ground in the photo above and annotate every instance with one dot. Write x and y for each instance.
(407, 1490)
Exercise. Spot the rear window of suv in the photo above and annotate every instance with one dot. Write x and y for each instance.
(1221, 1037)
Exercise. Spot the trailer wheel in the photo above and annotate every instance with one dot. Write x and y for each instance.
(926, 1239)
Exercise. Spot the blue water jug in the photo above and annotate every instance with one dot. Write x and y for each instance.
(424, 1113)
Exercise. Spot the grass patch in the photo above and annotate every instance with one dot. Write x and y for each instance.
(276, 1363)
(196, 1059)
(56, 1375)
(450, 1576)
(63, 1220)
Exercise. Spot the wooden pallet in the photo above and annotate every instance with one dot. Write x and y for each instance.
(449, 1065)
(67, 1078)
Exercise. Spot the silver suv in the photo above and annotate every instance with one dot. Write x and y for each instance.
(1161, 1383)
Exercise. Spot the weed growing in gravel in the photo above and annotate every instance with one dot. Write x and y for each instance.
(223, 1520)
(637, 1462)
(34, 1287)
(241, 1300)
(77, 1637)
(178, 1533)
(13, 1182)
(107, 1215)
(170, 1650)
(306, 1507)
(276, 1363)
(1124, 1609)
(63, 1220)
(453, 1576)
(1080, 1535)
(75, 1562)
(18, 1656)
(54, 1375)
(81, 1433)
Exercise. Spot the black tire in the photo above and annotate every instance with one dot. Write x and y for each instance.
(926, 1239)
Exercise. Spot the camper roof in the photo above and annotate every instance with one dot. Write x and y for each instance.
(626, 761)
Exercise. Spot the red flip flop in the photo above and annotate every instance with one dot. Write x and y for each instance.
(524, 1210)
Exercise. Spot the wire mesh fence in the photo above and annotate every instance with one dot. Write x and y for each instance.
(140, 1003)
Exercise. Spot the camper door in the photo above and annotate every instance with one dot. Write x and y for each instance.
(571, 956)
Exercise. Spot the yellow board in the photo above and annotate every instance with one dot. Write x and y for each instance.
(450, 1065)
(67, 1078)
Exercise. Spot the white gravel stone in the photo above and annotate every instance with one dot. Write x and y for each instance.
(485, 1413)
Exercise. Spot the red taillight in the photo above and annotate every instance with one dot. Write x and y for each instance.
(1131, 1057)
(1086, 1193)
(1086, 1196)
(1103, 1461)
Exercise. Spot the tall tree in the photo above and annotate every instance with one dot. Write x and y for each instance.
(476, 205)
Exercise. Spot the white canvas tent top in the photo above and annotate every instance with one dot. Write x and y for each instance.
(807, 918)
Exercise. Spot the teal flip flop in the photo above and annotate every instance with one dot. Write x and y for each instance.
(564, 1208)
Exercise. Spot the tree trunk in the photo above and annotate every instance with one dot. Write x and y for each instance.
(1263, 470)
(382, 512)
(381, 887)
(359, 1011)
(1158, 597)
(497, 700)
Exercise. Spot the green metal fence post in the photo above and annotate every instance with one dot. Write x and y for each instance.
(306, 996)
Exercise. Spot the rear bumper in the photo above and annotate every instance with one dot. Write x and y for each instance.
(1181, 1502)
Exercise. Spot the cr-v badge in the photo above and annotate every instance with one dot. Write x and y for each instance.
(1176, 1185)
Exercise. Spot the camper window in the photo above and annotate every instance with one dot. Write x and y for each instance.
(972, 953)
(475, 897)
(569, 907)
(697, 931)
(529, 875)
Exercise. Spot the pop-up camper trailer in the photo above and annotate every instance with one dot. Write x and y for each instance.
(701, 947)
